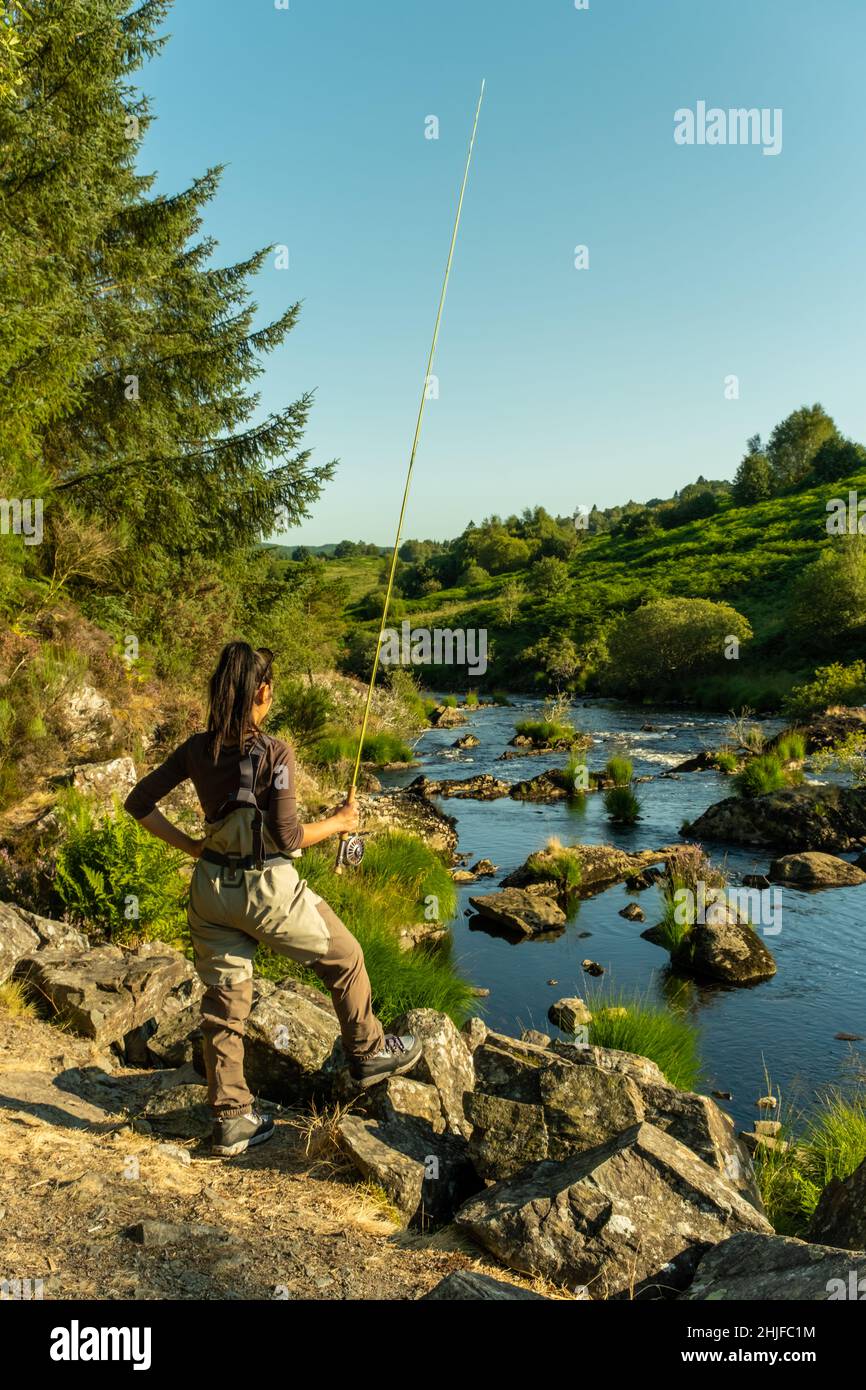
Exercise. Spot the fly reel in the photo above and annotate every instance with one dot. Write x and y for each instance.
(350, 852)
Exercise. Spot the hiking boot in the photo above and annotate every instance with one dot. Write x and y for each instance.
(397, 1055)
(240, 1132)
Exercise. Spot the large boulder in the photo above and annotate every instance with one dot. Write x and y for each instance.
(631, 1217)
(17, 939)
(840, 1216)
(292, 1043)
(515, 910)
(446, 717)
(813, 869)
(757, 1268)
(446, 1062)
(107, 992)
(22, 933)
(829, 818)
(726, 950)
(550, 1102)
(425, 1175)
(561, 1110)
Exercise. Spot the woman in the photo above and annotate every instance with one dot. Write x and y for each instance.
(245, 889)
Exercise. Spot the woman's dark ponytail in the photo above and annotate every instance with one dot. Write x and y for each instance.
(232, 691)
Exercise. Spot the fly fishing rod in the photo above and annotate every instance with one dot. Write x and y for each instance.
(351, 847)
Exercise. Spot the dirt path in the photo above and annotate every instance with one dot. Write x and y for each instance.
(76, 1176)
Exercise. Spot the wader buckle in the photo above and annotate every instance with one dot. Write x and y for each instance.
(232, 871)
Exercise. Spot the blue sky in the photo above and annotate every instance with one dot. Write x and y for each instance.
(557, 386)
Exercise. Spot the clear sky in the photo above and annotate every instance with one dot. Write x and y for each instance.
(558, 386)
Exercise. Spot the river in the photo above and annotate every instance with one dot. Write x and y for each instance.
(785, 1025)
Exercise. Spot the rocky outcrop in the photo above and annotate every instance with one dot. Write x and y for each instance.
(103, 781)
(402, 809)
(482, 787)
(831, 818)
(825, 730)
(425, 1175)
(561, 1110)
(466, 741)
(630, 1217)
(815, 870)
(840, 1216)
(107, 992)
(85, 718)
(446, 717)
(529, 914)
(547, 786)
(23, 933)
(756, 1268)
(600, 866)
(569, 1014)
(446, 1062)
(292, 1048)
(534, 1102)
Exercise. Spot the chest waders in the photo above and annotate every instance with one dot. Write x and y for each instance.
(244, 891)
(350, 850)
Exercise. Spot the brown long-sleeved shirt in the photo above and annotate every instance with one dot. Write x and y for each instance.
(216, 782)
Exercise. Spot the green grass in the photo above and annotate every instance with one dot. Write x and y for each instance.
(556, 863)
(650, 1030)
(744, 555)
(832, 1145)
(544, 731)
(791, 747)
(379, 749)
(619, 771)
(764, 774)
(726, 760)
(471, 700)
(621, 806)
(684, 872)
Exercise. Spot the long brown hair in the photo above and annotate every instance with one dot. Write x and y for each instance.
(232, 692)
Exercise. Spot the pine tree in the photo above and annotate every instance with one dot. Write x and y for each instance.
(127, 358)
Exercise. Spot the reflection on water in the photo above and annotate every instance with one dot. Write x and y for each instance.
(785, 1025)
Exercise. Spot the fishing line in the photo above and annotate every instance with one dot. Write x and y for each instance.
(351, 847)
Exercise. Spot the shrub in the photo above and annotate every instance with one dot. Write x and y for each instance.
(661, 642)
(556, 862)
(471, 700)
(108, 866)
(622, 806)
(304, 711)
(830, 685)
(545, 731)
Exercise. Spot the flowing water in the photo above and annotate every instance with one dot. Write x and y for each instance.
(786, 1024)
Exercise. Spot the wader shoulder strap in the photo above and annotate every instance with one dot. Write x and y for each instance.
(248, 773)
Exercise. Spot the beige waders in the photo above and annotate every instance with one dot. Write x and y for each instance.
(231, 909)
